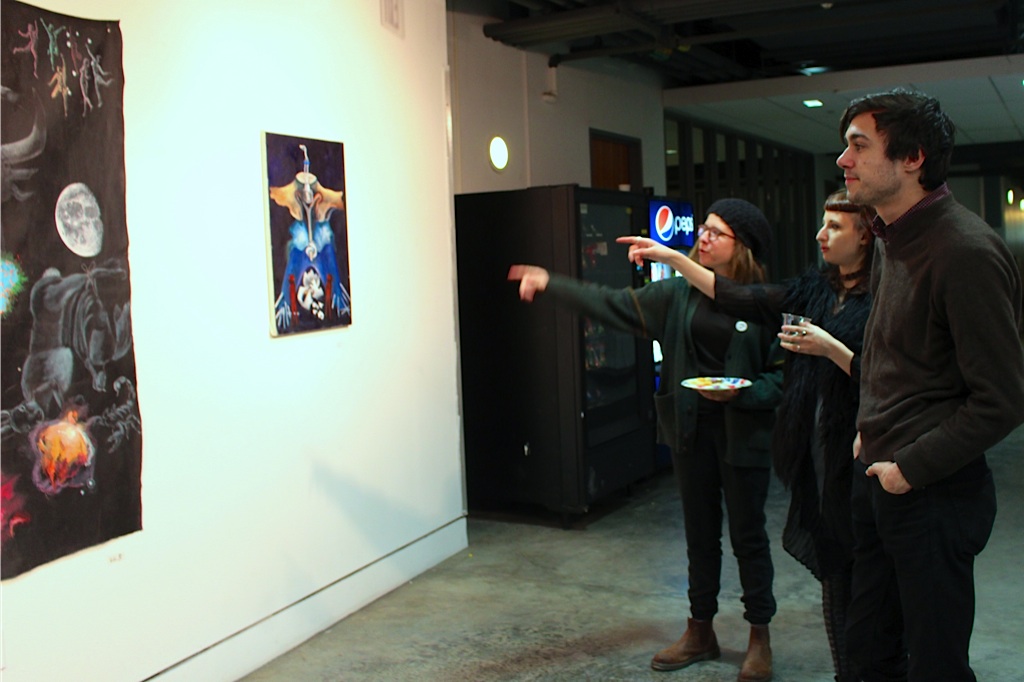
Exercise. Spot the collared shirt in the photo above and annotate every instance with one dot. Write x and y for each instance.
(884, 232)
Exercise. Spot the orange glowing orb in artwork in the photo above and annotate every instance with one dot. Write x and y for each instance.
(65, 454)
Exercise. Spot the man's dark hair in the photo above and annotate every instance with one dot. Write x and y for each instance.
(911, 121)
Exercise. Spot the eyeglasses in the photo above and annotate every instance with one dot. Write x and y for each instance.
(713, 233)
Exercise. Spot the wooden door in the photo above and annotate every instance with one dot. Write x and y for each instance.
(615, 162)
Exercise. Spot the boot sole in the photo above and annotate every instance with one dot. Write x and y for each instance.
(666, 667)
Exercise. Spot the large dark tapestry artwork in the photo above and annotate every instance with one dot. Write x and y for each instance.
(71, 453)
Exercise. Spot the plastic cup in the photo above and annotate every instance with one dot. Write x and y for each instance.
(793, 319)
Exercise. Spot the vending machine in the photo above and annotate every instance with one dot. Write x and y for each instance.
(557, 408)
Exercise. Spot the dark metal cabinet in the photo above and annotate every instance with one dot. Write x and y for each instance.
(557, 408)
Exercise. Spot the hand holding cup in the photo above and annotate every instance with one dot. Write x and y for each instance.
(794, 330)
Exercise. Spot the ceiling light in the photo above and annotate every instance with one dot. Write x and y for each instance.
(1009, 197)
(499, 153)
(813, 103)
(812, 70)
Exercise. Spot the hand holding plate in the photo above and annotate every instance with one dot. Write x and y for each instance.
(720, 395)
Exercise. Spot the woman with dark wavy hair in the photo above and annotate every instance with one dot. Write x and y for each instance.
(816, 422)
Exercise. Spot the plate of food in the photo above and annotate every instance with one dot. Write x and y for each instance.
(715, 383)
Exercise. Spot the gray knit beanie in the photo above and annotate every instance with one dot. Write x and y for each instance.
(748, 222)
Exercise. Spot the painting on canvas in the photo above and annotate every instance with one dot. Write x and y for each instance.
(307, 234)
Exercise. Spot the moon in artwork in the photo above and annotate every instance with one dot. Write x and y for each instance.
(78, 220)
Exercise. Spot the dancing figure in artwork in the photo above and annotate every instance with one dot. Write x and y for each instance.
(99, 76)
(31, 34)
(59, 81)
(52, 47)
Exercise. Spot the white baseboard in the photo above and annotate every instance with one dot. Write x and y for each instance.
(260, 643)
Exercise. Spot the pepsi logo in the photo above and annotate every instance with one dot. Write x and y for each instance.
(664, 223)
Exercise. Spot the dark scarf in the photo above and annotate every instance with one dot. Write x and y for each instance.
(809, 377)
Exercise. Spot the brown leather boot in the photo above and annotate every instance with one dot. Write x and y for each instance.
(698, 643)
(757, 666)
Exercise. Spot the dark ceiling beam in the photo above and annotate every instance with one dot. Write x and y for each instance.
(783, 26)
(708, 66)
(586, 22)
(759, 38)
(679, 11)
(537, 5)
(959, 45)
(591, 53)
(558, 27)
(699, 63)
(829, 20)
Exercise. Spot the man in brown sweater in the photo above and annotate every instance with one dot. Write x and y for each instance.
(942, 382)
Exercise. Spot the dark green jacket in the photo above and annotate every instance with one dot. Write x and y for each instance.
(663, 311)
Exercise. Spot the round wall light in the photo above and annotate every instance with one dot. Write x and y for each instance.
(499, 153)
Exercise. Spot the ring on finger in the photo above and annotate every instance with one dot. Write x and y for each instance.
(803, 332)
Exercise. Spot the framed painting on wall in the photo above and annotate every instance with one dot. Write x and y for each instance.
(307, 234)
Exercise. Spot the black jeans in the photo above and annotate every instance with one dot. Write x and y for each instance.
(912, 610)
(703, 477)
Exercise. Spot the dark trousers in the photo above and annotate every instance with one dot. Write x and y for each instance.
(703, 477)
(912, 610)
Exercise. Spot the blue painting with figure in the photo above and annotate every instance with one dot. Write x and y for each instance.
(307, 234)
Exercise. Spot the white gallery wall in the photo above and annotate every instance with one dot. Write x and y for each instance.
(286, 482)
(545, 115)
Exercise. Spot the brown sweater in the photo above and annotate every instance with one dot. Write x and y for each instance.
(943, 369)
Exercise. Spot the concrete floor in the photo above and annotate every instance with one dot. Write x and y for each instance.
(530, 601)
